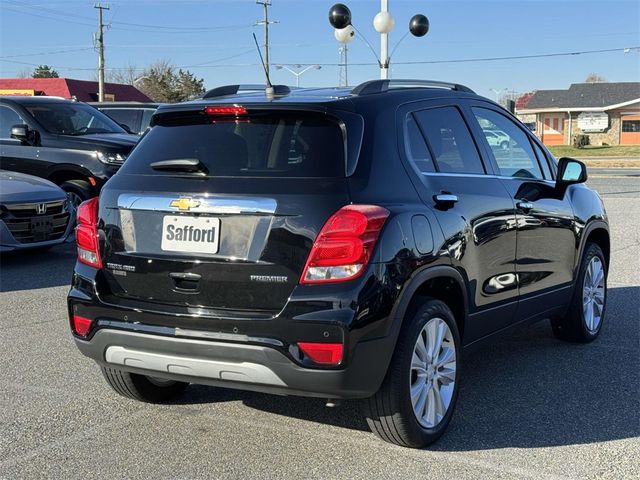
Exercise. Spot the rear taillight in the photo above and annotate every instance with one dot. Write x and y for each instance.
(87, 233)
(345, 244)
(322, 353)
(81, 325)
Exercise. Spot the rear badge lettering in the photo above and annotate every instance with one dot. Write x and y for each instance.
(269, 278)
(119, 269)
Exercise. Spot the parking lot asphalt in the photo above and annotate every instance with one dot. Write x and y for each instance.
(530, 406)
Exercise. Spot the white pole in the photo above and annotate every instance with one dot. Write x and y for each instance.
(384, 45)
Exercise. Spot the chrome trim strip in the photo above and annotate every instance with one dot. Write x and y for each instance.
(33, 206)
(234, 337)
(486, 175)
(208, 204)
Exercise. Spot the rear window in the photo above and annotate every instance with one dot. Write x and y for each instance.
(260, 145)
(126, 116)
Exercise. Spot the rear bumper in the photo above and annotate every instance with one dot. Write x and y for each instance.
(234, 365)
(260, 354)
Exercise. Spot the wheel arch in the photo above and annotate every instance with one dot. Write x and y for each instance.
(595, 232)
(68, 172)
(441, 282)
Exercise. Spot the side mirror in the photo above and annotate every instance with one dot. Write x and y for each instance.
(20, 132)
(571, 171)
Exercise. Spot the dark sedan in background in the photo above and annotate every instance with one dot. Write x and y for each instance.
(34, 213)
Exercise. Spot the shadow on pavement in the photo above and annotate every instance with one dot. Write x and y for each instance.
(32, 269)
(528, 390)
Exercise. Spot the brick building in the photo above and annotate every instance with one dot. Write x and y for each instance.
(82, 90)
(608, 112)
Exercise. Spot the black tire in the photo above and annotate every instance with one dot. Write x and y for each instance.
(77, 190)
(141, 387)
(389, 412)
(573, 326)
(504, 145)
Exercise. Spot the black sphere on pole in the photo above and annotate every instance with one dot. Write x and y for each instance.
(340, 16)
(419, 25)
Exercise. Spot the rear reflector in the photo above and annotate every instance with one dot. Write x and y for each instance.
(226, 111)
(322, 353)
(81, 325)
(345, 244)
(87, 233)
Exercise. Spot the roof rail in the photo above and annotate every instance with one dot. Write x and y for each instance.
(379, 86)
(234, 89)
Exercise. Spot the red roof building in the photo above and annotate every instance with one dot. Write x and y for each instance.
(523, 100)
(82, 90)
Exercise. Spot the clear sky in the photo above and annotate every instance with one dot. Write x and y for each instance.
(213, 39)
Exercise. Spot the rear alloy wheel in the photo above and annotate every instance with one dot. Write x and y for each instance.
(585, 316)
(433, 373)
(416, 400)
(141, 387)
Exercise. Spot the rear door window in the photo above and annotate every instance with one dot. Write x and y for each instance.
(415, 146)
(514, 154)
(450, 141)
(259, 145)
(132, 118)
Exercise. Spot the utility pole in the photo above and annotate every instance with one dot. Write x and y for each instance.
(265, 4)
(100, 42)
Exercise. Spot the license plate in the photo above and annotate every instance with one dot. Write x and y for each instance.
(190, 234)
(41, 228)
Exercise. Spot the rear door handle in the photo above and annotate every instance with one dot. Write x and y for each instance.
(525, 206)
(445, 198)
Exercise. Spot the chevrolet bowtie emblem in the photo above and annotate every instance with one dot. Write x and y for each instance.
(184, 204)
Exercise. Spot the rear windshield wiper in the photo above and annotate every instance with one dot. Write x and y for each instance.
(180, 165)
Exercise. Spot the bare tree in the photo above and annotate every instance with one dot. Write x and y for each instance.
(161, 82)
(25, 73)
(594, 78)
(127, 75)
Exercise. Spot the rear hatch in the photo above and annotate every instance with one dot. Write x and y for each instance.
(219, 211)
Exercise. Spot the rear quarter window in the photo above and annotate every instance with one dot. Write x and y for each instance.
(260, 145)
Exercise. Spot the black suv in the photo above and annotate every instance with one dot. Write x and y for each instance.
(334, 243)
(69, 143)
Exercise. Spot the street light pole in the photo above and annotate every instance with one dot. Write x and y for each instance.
(383, 22)
(498, 92)
(384, 45)
(298, 74)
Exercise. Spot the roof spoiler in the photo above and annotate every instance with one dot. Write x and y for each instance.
(379, 86)
(234, 89)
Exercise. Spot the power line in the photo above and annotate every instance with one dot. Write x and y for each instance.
(47, 53)
(114, 24)
(486, 59)
(362, 64)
